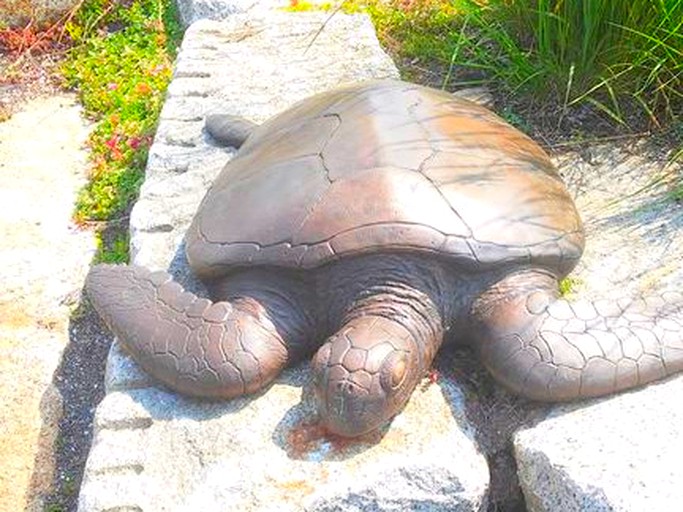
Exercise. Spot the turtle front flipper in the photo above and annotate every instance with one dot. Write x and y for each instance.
(550, 349)
(199, 348)
(229, 130)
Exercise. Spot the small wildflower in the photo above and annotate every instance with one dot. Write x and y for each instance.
(112, 142)
(158, 69)
(134, 143)
(143, 88)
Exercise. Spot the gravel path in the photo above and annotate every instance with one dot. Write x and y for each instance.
(43, 261)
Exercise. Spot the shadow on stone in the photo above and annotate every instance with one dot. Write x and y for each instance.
(495, 415)
(179, 268)
(624, 193)
(162, 403)
(79, 381)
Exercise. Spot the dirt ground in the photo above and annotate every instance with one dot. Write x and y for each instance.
(43, 260)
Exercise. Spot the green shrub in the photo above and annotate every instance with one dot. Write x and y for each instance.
(120, 65)
(112, 246)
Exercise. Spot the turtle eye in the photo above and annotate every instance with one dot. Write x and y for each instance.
(393, 371)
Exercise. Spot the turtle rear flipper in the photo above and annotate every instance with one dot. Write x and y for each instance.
(199, 348)
(229, 130)
(551, 349)
(479, 95)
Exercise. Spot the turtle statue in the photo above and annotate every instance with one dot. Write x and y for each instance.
(371, 223)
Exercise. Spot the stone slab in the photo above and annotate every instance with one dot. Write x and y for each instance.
(622, 454)
(195, 10)
(634, 230)
(268, 454)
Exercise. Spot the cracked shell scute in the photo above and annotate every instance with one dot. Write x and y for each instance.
(385, 166)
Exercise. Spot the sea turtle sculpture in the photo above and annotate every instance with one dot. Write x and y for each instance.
(372, 222)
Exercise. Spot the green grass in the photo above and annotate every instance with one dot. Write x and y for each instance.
(676, 188)
(420, 34)
(676, 193)
(608, 53)
(121, 65)
(624, 59)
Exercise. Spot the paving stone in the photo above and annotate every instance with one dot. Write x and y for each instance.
(617, 454)
(44, 258)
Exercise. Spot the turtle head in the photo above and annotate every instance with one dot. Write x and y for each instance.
(363, 376)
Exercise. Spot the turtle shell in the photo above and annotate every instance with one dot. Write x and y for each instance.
(386, 166)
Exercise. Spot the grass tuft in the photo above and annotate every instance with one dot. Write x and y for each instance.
(569, 285)
(112, 247)
(623, 60)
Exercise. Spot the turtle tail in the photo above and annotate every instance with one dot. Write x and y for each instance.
(196, 347)
(550, 349)
(229, 130)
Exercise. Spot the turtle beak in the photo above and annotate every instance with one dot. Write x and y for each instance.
(349, 410)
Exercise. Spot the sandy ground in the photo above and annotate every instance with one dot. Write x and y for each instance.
(43, 261)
